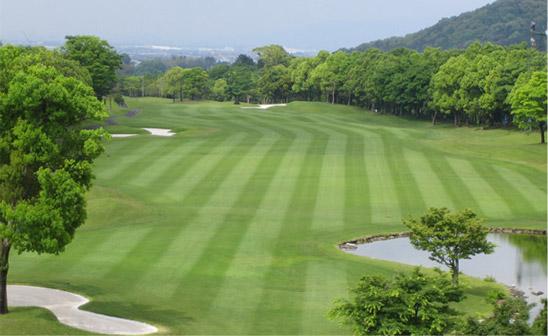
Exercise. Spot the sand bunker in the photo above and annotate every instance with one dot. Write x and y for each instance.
(122, 135)
(263, 106)
(64, 305)
(160, 131)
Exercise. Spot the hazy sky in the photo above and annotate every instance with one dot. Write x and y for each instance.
(306, 24)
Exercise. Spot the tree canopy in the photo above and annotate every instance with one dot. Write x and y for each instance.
(45, 156)
(98, 57)
(449, 236)
(408, 304)
(528, 100)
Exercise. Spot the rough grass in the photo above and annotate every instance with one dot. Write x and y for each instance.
(230, 226)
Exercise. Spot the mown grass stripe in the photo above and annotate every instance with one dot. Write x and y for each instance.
(245, 276)
(329, 212)
(202, 164)
(192, 241)
(162, 163)
(151, 248)
(325, 282)
(286, 281)
(429, 183)
(489, 201)
(535, 197)
(384, 202)
(125, 162)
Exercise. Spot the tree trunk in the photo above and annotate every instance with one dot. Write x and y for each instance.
(455, 273)
(333, 96)
(434, 117)
(542, 125)
(4, 266)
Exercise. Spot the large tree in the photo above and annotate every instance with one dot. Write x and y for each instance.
(528, 100)
(98, 57)
(449, 236)
(409, 304)
(174, 81)
(45, 157)
(195, 83)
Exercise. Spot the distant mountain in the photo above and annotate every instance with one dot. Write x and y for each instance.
(504, 22)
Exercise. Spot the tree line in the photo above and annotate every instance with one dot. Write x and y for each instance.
(483, 85)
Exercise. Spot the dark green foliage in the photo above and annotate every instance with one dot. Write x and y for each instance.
(510, 316)
(409, 304)
(539, 325)
(503, 22)
(98, 57)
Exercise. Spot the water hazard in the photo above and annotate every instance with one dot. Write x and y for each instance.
(518, 260)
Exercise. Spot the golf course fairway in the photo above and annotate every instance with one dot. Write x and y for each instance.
(231, 225)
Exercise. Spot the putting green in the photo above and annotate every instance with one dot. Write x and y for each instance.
(230, 226)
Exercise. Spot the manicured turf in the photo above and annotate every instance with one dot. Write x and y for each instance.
(230, 226)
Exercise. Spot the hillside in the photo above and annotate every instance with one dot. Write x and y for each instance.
(504, 22)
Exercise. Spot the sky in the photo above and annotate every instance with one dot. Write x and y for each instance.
(300, 24)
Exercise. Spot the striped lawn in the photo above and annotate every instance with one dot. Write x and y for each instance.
(230, 227)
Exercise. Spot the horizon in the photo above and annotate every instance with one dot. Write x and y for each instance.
(311, 25)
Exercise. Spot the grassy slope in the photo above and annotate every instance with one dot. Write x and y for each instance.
(230, 226)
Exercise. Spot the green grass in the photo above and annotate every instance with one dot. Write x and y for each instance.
(230, 226)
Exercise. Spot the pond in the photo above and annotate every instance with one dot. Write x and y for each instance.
(518, 261)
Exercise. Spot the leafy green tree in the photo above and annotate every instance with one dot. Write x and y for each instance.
(195, 83)
(409, 304)
(449, 237)
(528, 100)
(219, 89)
(274, 83)
(510, 317)
(218, 71)
(174, 82)
(45, 160)
(98, 57)
(241, 82)
(244, 60)
(331, 74)
(445, 86)
(272, 55)
(539, 324)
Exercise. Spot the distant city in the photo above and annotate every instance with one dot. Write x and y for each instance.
(139, 53)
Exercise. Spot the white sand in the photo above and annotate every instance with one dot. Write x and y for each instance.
(64, 305)
(264, 106)
(122, 135)
(160, 131)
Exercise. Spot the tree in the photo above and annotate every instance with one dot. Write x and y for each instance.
(510, 317)
(244, 60)
(272, 55)
(219, 90)
(98, 57)
(174, 81)
(449, 237)
(195, 82)
(445, 86)
(409, 304)
(241, 82)
(528, 100)
(274, 83)
(45, 160)
(539, 324)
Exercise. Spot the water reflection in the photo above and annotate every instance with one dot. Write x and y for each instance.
(518, 260)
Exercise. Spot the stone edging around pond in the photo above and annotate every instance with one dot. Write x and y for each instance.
(353, 244)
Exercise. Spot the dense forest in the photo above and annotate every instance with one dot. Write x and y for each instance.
(473, 86)
(503, 22)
